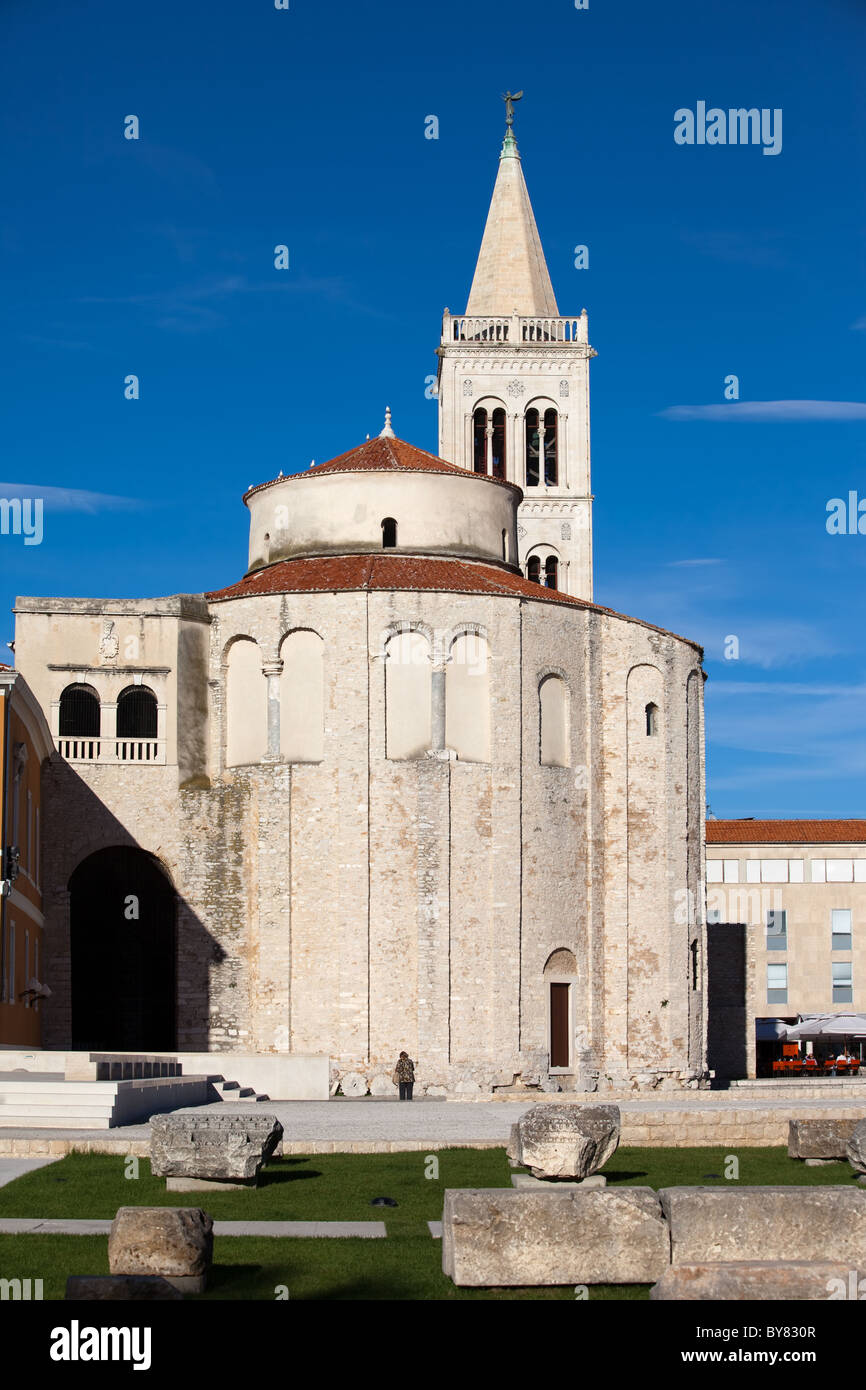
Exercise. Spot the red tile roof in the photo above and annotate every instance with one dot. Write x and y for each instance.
(337, 573)
(382, 456)
(780, 832)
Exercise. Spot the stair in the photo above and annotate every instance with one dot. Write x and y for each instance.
(54, 1103)
(232, 1091)
(46, 1100)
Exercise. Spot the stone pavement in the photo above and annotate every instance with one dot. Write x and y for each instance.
(11, 1168)
(699, 1119)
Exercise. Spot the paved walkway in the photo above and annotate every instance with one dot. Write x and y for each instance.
(11, 1168)
(324, 1126)
(366, 1230)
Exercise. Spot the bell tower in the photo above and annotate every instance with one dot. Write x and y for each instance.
(513, 386)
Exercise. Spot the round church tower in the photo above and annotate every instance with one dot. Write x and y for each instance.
(470, 804)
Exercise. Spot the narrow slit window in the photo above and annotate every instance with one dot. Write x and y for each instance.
(652, 720)
(389, 533)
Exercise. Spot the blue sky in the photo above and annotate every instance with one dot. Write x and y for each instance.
(306, 127)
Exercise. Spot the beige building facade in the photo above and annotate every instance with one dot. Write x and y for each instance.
(796, 890)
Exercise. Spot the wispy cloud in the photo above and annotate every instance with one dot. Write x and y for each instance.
(69, 499)
(689, 564)
(190, 308)
(768, 410)
(860, 323)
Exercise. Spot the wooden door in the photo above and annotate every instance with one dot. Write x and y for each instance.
(559, 1049)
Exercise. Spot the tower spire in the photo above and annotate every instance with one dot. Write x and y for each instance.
(511, 276)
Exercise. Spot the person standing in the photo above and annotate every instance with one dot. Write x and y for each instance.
(404, 1075)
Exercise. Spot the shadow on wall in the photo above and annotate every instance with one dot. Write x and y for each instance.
(726, 1000)
(126, 956)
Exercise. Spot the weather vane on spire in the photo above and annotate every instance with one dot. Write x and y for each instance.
(510, 98)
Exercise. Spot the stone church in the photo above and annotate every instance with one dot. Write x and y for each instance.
(404, 784)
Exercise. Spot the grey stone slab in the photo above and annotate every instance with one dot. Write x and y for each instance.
(525, 1182)
(565, 1141)
(499, 1237)
(366, 1230)
(435, 1229)
(825, 1139)
(760, 1280)
(713, 1224)
(12, 1168)
(856, 1147)
(207, 1185)
(174, 1242)
(226, 1146)
(35, 1225)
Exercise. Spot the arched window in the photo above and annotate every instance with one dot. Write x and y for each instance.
(551, 448)
(389, 533)
(652, 720)
(533, 569)
(302, 697)
(551, 572)
(79, 712)
(467, 699)
(479, 440)
(246, 705)
(531, 429)
(498, 420)
(408, 695)
(136, 712)
(553, 705)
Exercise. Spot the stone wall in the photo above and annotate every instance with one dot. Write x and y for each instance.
(358, 905)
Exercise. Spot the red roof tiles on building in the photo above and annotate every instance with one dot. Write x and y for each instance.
(782, 832)
(383, 455)
(339, 573)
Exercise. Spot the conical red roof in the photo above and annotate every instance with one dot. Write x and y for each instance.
(384, 455)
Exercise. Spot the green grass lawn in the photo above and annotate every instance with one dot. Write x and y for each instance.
(337, 1187)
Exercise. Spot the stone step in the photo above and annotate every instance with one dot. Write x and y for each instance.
(55, 1107)
(233, 1091)
(25, 1119)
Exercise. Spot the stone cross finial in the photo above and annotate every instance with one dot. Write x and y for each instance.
(387, 432)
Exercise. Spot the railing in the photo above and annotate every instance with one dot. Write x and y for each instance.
(112, 750)
(515, 330)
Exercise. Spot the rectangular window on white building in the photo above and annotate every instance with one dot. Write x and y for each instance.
(753, 871)
(732, 871)
(840, 870)
(715, 869)
(843, 983)
(860, 870)
(819, 870)
(840, 921)
(795, 870)
(774, 871)
(777, 984)
(777, 930)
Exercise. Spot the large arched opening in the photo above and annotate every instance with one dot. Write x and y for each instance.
(123, 953)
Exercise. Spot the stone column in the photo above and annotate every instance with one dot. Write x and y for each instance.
(437, 741)
(273, 670)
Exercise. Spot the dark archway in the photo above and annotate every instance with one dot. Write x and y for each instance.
(122, 921)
